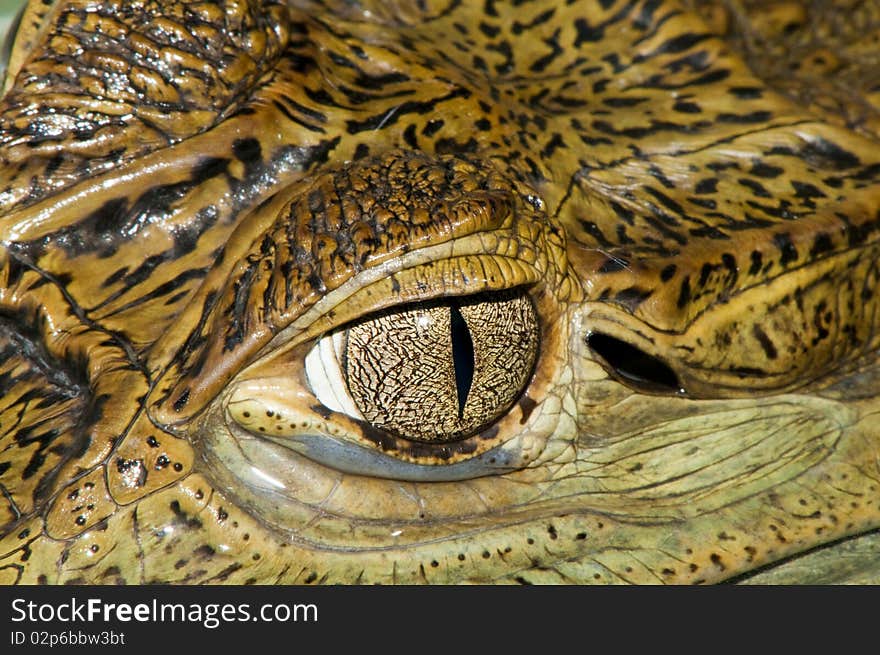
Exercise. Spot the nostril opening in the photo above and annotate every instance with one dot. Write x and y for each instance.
(634, 366)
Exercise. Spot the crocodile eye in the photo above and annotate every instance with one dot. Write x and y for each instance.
(441, 371)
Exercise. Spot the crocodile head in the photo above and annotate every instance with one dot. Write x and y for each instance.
(333, 292)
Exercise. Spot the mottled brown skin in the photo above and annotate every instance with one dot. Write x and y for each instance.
(192, 195)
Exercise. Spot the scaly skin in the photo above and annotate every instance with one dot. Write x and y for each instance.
(192, 195)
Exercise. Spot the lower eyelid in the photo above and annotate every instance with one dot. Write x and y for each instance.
(354, 459)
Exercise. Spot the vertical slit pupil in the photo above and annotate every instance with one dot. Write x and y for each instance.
(462, 357)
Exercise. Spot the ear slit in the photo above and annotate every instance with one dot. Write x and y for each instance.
(634, 366)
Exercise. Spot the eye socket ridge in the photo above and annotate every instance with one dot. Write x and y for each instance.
(434, 372)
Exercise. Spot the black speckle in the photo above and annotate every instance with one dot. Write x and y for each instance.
(786, 248)
(204, 552)
(765, 341)
(684, 295)
(757, 261)
(746, 92)
(247, 150)
(821, 244)
(362, 150)
(760, 169)
(708, 185)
